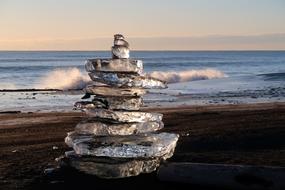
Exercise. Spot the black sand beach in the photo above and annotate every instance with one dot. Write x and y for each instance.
(250, 134)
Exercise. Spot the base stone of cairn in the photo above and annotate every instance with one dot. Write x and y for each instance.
(109, 168)
(116, 140)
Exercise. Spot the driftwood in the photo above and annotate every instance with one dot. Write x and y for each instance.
(223, 175)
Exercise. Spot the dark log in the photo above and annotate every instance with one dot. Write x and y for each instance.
(223, 175)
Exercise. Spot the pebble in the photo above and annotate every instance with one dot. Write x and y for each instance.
(54, 147)
(49, 170)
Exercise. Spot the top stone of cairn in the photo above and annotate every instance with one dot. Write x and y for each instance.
(120, 50)
(120, 61)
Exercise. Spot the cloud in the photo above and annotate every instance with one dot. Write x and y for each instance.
(212, 42)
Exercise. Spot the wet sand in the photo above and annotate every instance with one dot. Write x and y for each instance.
(250, 134)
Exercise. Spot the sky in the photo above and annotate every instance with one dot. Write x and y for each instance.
(147, 24)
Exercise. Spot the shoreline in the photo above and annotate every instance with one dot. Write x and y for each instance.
(250, 134)
(30, 90)
(223, 91)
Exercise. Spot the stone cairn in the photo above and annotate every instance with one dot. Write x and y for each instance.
(117, 140)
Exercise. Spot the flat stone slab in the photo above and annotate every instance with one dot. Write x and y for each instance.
(112, 91)
(114, 65)
(132, 146)
(124, 116)
(109, 168)
(120, 103)
(113, 103)
(127, 80)
(107, 128)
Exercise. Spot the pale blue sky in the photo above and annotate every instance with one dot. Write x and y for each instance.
(26, 24)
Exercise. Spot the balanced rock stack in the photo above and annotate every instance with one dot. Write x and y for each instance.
(117, 140)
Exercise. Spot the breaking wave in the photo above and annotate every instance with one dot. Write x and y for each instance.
(64, 79)
(273, 76)
(73, 78)
(189, 75)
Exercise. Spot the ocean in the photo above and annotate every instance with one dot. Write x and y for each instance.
(196, 73)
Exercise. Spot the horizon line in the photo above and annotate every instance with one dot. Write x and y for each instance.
(137, 50)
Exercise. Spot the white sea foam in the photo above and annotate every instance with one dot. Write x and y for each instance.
(73, 78)
(64, 79)
(188, 75)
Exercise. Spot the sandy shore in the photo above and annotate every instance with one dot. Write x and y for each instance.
(233, 134)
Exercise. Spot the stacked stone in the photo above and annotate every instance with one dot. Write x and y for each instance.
(117, 140)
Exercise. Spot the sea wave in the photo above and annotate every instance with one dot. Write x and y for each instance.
(64, 79)
(73, 78)
(188, 75)
(273, 76)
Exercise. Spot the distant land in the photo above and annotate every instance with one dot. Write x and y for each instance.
(210, 42)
